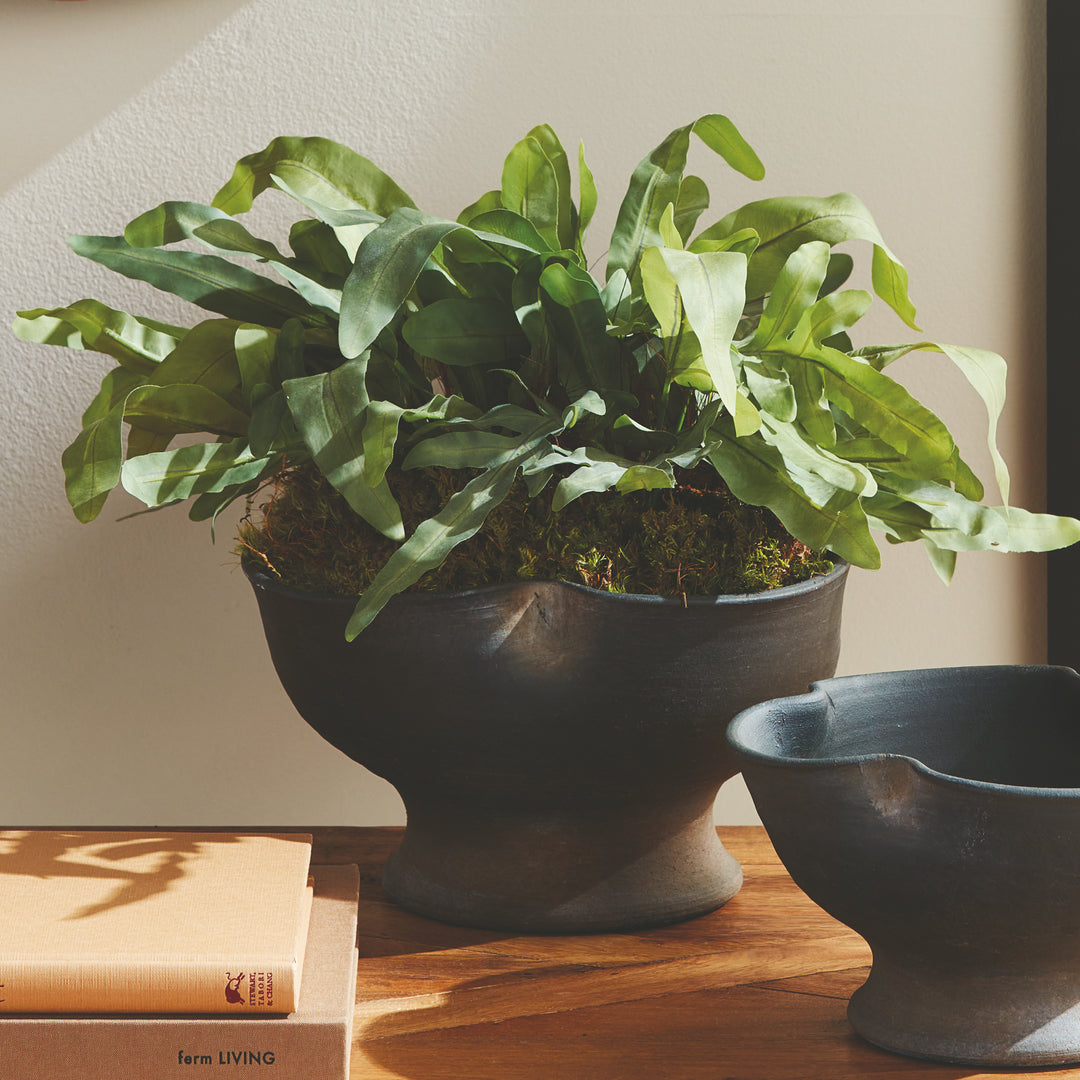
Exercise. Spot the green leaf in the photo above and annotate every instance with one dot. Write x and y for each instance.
(510, 416)
(653, 186)
(267, 358)
(536, 185)
(618, 297)
(771, 387)
(289, 351)
(316, 244)
(268, 419)
(692, 202)
(785, 224)
(387, 265)
(711, 289)
(587, 195)
(466, 332)
(841, 264)
(836, 313)
(590, 402)
(329, 412)
(1037, 532)
(794, 292)
(254, 348)
(142, 441)
(645, 478)
(137, 344)
(382, 420)
(320, 169)
(943, 562)
(719, 134)
(511, 226)
(205, 357)
(985, 371)
(669, 234)
(47, 326)
(814, 512)
(807, 456)
(575, 310)
(566, 224)
(490, 200)
(882, 406)
(638, 441)
(744, 240)
(661, 293)
(461, 517)
(92, 463)
(656, 181)
(115, 387)
(379, 436)
(158, 479)
(206, 507)
(174, 221)
(599, 475)
(460, 450)
(528, 309)
(183, 407)
(955, 523)
(206, 280)
(890, 280)
(812, 405)
(350, 225)
(695, 443)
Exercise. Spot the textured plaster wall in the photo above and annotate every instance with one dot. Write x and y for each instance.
(134, 683)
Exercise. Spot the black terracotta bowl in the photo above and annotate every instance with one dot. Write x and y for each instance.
(558, 749)
(937, 813)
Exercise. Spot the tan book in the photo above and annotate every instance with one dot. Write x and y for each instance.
(313, 1043)
(156, 921)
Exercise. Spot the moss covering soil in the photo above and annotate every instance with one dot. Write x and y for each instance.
(695, 539)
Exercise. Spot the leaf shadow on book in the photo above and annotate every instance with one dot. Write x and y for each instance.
(60, 853)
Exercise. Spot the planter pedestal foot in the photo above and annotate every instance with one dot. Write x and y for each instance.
(1015, 1019)
(560, 873)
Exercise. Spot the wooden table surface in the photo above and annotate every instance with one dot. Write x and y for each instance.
(755, 990)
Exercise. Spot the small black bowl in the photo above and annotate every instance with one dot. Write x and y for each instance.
(937, 813)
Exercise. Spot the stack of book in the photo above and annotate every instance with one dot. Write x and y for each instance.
(152, 955)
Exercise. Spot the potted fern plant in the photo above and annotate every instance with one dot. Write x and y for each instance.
(661, 474)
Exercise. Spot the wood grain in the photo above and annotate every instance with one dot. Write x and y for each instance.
(755, 991)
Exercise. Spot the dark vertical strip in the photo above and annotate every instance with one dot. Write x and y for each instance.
(1062, 319)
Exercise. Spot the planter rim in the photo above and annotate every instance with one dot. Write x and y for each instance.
(749, 717)
(261, 579)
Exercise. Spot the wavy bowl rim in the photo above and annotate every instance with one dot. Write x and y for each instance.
(261, 579)
(745, 753)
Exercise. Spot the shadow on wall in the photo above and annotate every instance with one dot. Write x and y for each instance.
(139, 691)
(64, 65)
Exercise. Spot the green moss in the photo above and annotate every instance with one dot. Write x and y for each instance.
(696, 539)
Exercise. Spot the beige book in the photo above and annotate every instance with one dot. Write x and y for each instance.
(156, 921)
(313, 1043)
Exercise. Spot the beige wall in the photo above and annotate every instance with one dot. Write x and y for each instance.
(135, 684)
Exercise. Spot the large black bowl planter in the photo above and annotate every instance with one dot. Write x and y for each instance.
(938, 814)
(558, 750)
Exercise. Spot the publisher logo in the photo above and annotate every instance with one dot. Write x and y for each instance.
(253, 988)
(232, 989)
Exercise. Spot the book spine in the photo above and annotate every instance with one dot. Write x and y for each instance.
(39, 1048)
(241, 986)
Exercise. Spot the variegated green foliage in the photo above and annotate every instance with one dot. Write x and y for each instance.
(385, 337)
